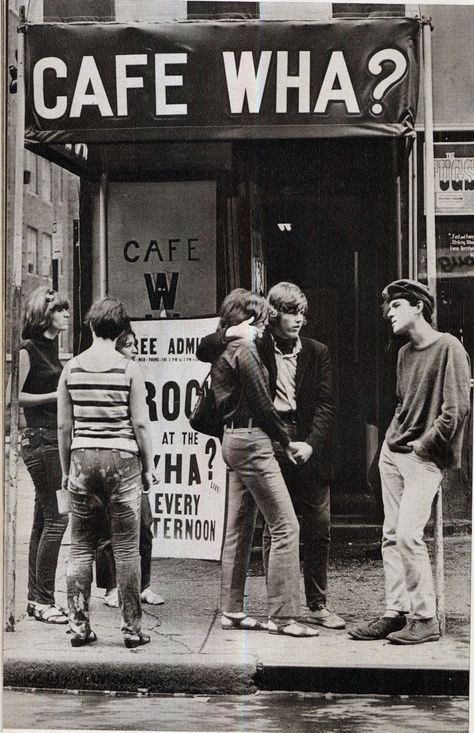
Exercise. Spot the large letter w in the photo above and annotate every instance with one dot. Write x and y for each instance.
(158, 289)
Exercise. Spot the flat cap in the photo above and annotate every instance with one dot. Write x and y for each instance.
(399, 288)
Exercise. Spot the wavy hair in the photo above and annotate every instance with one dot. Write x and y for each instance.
(241, 304)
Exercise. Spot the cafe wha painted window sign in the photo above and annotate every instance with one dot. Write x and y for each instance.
(162, 247)
(221, 80)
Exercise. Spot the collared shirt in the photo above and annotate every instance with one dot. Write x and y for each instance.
(285, 397)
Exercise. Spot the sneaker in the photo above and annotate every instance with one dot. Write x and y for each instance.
(111, 598)
(324, 617)
(379, 628)
(417, 631)
(149, 596)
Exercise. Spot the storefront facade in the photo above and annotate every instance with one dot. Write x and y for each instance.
(241, 153)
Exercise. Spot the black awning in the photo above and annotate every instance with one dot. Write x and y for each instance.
(107, 82)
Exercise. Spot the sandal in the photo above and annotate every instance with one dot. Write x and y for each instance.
(51, 615)
(243, 623)
(78, 640)
(292, 628)
(134, 640)
(31, 608)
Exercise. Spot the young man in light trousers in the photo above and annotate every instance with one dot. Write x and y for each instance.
(424, 437)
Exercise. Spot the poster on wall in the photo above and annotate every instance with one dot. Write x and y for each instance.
(454, 178)
(188, 503)
(454, 249)
(162, 247)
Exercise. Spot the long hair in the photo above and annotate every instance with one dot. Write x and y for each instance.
(39, 309)
(240, 305)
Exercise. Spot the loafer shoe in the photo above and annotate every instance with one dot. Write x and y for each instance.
(379, 628)
(324, 617)
(416, 631)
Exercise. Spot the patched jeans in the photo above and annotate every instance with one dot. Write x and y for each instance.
(255, 482)
(39, 450)
(112, 479)
(409, 485)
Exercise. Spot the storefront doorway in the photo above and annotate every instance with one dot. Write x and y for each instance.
(325, 213)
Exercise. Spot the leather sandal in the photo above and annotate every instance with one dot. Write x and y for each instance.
(31, 608)
(292, 628)
(51, 615)
(78, 640)
(242, 623)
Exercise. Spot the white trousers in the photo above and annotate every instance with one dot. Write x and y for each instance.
(409, 485)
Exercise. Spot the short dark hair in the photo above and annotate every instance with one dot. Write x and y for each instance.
(241, 304)
(413, 291)
(414, 299)
(39, 308)
(123, 338)
(108, 318)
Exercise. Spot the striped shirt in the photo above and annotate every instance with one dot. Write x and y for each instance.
(101, 407)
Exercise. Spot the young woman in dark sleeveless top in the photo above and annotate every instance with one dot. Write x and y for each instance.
(46, 315)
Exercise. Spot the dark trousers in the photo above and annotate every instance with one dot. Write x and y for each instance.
(311, 500)
(104, 559)
(39, 449)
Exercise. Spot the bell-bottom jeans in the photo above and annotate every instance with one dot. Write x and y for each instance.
(110, 478)
(256, 482)
(409, 485)
(39, 449)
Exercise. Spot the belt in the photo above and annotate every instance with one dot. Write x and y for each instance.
(288, 416)
(238, 423)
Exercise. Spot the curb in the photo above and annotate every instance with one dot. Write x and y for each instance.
(213, 677)
(216, 677)
(364, 680)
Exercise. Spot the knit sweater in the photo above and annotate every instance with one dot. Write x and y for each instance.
(433, 400)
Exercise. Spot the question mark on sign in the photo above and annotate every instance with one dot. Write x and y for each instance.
(375, 67)
(210, 448)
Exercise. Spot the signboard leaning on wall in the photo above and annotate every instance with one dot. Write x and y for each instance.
(162, 247)
(188, 503)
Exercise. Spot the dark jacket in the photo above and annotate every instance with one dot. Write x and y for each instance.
(314, 391)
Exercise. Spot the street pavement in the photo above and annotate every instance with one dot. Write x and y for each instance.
(190, 653)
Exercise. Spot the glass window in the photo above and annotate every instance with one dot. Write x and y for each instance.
(61, 184)
(46, 255)
(32, 250)
(60, 11)
(209, 9)
(31, 170)
(47, 182)
(366, 10)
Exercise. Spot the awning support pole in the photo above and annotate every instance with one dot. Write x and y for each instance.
(103, 238)
(15, 319)
(429, 160)
(431, 276)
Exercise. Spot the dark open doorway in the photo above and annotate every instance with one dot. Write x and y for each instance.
(325, 211)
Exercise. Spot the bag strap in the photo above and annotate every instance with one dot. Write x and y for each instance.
(208, 375)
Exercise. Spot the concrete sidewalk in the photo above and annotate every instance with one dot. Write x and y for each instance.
(190, 653)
